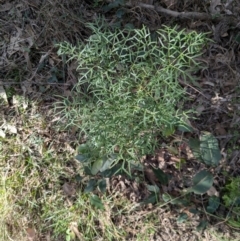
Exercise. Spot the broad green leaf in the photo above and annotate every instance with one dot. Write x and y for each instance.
(107, 163)
(161, 176)
(82, 158)
(153, 188)
(87, 170)
(180, 201)
(90, 186)
(166, 197)
(195, 147)
(202, 225)
(193, 210)
(102, 185)
(182, 218)
(115, 170)
(83, 149)
(202, 182)
(96, 166)
(78, 178)
(152, 198)
(209, 149)
(96, 202)
(213, 204)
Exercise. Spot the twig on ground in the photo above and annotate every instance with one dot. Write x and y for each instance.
(180, 15)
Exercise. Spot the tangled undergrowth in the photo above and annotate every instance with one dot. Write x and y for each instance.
(44, 193)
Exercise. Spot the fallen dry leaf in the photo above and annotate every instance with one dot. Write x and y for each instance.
(213, 192)
(220, 130)
(31, 234)
(68, 189)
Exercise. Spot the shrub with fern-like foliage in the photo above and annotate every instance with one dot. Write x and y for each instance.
(128, 92)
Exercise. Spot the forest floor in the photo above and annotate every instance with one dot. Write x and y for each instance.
(41, 197)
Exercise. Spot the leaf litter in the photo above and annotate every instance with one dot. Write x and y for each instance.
(31, 47)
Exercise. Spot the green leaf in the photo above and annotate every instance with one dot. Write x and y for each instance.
(87, 170)
(112, 5)
(78, 178)
(233, 223)
(120, 12)
(102, 185)
(96, 202)
(166, 197)
(202, 182)
(185, 128)
(152, 198)
(90, 186)
(162, 177)
(82, 158)
(115, 170)
(96, 166)
(153, 188)
(213, 204)
(237, 38)
(180, 201)
(195, 147)
(182, 218)
(209, 149)
(107, 163)
(84, 149)
(202, 225)
(168, 130)
(193, 211)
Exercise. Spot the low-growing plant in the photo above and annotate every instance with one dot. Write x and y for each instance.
(128, 93)
(231, 200)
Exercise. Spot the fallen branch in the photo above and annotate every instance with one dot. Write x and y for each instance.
(180, 15)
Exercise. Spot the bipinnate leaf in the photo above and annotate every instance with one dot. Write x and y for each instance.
(209, 149)
(202, 182)
(96, 201)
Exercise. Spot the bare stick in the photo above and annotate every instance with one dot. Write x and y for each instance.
(180, 15)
